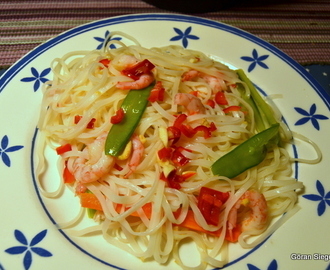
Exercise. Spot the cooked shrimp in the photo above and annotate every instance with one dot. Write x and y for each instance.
(93, 162)
(144, 81)
(125, 61)
(192, 103)
(137, 154)
(257, 218)
(190, 75)
(215, 83)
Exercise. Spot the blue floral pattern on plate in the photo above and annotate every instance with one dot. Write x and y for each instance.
(37, 78)
(184, 35)
(5, 149)
(105, 40)
(310, 116)
(272, 266)
(255, 63)
(322, 198)
(255, 60)
(27, 248)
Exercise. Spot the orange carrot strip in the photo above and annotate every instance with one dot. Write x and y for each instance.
(233, 237)
(191, 224)
(89, 200)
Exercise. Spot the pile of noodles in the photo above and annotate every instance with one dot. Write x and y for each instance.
(83, 86)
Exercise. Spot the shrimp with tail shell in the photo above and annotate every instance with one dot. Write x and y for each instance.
(256, 218)
(93, 163)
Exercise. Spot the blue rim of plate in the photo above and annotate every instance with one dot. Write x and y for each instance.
(19, 65)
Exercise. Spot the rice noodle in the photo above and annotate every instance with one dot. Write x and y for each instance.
(83, 86)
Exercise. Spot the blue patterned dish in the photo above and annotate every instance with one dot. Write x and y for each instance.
(29, 237)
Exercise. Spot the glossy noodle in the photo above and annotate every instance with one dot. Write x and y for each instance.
(146, 201)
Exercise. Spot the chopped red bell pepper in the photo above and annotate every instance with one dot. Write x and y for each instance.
(220, 98)
(195, 93)
(173, 179)
(117, 167)
(63, 148)
(186, 175)
(179, 120)
(165, 153)
(232, 109)
(211, 103)
(174, 134)
(68, 177)
(90, 124)
(157, 93)
(77, 118)
(105, 62)
(178, 158)
(140, 68)
(188, 131)
(118, 117)
(210, 202)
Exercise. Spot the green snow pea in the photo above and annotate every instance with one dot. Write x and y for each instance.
(248, 154)
(134, 106)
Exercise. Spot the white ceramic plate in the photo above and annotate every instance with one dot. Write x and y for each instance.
(29, 238)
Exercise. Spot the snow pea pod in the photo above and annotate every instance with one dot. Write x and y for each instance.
(248, 154)
(134, 106)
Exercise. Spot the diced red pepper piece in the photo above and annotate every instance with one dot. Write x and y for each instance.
(212, 127)
(187, 175)
(220, 98)
(63, 148)
(117, 167)
(210, 202)
(188, 131)
(178, 158)
(165, 153)
(195, 93)
(174, 134)
(232, 109)
(135, 71)
(205, 130)
(105, 62)
(211, 103)
(68, 177)
(172, 179)
(118, 117)
(90, 124)
(179, 120)
(77, 118)
(157, 93)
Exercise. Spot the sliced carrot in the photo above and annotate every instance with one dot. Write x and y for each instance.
(89, 200)
(235, 233)
(147, 208)
(190, 223)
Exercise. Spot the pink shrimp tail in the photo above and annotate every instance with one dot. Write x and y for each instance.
(138, 150)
